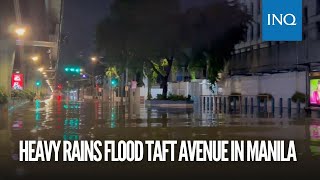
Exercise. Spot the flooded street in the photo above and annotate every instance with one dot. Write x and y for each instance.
(56, 119)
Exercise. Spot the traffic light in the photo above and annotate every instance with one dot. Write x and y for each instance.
(73, 70)
(38, 83)
(114, 82)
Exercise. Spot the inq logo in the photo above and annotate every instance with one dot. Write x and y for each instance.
(288, 19)
(282, 20)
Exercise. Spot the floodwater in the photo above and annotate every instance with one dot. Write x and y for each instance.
(56, 119)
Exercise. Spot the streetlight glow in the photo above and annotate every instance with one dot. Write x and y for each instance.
(93, 59)
(20, 31)
(41, 69)
(35, 58)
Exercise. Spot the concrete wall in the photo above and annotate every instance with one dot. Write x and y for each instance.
(195, 89)
(282, 85)
(179, 88)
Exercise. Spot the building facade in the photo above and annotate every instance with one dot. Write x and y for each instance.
(42, 22)
(276, 68)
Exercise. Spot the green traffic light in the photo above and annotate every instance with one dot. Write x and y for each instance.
(72, 70)
(114, 82)
(38, 83)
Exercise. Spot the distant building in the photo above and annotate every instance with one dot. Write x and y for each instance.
(277, 68)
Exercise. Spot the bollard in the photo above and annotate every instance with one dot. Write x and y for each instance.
(246, 105)
(272, 105)
(213, 104)
(280, 105)
(202, 103)
(217, 103)
(298, 106)
(265, 104)
(199, 103)
(289, 105)
(252, 106)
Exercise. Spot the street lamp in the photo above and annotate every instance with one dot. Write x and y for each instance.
(20, 31)
(35, 58)
(93, 59)
(41, 69)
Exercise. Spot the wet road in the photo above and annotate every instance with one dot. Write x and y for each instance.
(55, 119)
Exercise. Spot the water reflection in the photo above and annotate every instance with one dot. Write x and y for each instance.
(315, 137)
(71, 127)
(71, 120)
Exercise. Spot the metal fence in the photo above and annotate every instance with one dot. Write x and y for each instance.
(245, 104)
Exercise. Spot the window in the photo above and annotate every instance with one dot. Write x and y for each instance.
(318, 29)
(251, 8)
(305, 15)
(318, 6)
(251, 33)
(259, 7)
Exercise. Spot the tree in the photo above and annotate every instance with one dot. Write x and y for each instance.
(140, 32)
(143, 34)
(213, 32)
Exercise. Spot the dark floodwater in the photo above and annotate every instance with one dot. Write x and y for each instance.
(60, 120)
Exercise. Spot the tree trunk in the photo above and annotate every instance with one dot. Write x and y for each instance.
(166, 77)
(149, 88)
(165, 86)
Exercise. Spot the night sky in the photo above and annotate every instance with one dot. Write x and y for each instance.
(79, 23)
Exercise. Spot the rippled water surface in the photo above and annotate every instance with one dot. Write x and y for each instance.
(54, 119)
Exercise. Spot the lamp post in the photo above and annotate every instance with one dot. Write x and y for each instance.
(94, 61)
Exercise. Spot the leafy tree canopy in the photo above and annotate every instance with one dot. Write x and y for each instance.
(142, 33)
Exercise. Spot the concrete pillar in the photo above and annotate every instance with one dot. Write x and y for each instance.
(7, 55)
